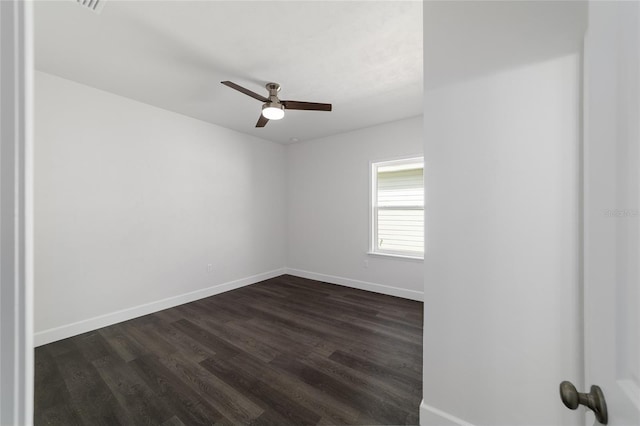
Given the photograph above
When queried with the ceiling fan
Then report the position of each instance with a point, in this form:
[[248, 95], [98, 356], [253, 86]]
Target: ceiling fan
[[273, 108]]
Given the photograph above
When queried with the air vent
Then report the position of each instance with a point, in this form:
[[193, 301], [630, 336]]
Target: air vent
[[95, 5]]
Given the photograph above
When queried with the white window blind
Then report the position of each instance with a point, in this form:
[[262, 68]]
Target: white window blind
[[398, 207]]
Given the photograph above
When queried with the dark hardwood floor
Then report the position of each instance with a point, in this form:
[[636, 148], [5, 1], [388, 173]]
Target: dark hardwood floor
[[284, 351]]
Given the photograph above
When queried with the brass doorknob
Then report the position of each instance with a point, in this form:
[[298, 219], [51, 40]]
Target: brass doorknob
[[594, 400]]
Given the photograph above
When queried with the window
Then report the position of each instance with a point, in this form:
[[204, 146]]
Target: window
[[398, 208]]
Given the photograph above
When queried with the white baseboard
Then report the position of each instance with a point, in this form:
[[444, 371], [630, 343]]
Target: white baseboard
[[69, 330], [362, 285], [73, 329], [431, 416]]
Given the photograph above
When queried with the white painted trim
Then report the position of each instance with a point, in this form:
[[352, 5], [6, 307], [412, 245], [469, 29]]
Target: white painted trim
[[29, 269], [362, 285], [73, 329], [16, 213], [431, 416], [396, 256]]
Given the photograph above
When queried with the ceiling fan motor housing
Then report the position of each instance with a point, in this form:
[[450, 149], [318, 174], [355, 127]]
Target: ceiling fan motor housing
[[273, 88]]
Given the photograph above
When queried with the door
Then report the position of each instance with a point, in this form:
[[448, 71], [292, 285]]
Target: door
[[611, 208]]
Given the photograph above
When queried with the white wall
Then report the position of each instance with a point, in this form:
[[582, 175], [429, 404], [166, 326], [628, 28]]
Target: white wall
[[328, 209], [133, 202], [502, 272], [501, 294]]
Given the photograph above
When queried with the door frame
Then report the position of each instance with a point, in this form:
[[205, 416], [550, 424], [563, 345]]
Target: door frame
[[610, 72], [16, 212]]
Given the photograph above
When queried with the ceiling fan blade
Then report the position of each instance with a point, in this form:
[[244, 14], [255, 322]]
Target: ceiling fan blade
[[262, 121], [311, 106], [245, 91]]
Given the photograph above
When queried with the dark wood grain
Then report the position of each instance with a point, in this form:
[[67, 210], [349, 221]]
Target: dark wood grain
[[89, 396], [175, 394], [286, 351], [271, 399]]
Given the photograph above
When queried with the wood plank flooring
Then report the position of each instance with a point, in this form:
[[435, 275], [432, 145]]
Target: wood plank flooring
[[286, 351]]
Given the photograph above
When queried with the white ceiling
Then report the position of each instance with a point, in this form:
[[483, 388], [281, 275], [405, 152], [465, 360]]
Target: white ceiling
[[364, 57]]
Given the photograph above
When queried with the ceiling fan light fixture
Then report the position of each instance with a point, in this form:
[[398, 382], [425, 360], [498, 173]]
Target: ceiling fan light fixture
[[273, 111]]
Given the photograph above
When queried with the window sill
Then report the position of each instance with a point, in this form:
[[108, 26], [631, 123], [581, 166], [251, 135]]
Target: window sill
[[396, 256]]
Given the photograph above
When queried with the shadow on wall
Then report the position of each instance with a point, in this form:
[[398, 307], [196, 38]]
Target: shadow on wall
[[468, 39]]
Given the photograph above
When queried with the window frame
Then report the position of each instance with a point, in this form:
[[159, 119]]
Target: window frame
[[373, 208]]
